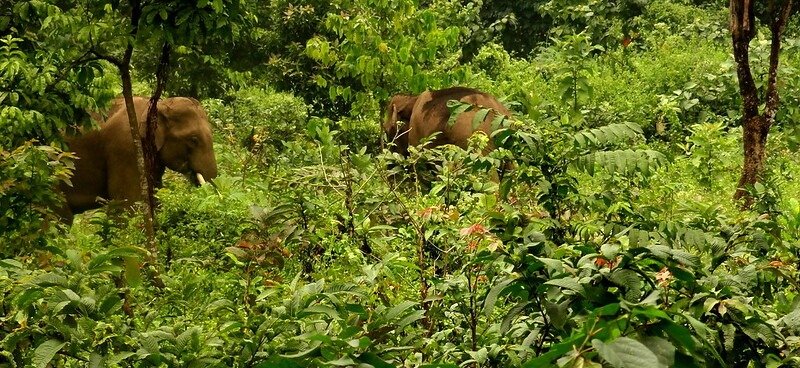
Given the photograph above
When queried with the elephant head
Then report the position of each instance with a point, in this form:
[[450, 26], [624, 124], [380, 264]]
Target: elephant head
[[183, 139], [398, 118]]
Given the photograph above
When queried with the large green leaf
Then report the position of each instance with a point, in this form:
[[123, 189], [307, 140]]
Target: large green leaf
[[662, 348], [491, 297], [45, 352], [625, 352], [456, 108], [567, 283]]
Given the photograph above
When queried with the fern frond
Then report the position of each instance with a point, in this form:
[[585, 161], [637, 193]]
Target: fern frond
[[607, 135], [621, 161]]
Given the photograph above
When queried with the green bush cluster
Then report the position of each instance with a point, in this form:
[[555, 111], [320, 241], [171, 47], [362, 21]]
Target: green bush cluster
[[29, 177], [260, 120]]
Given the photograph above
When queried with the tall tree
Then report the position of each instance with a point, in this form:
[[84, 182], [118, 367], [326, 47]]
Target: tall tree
[[756, 122]]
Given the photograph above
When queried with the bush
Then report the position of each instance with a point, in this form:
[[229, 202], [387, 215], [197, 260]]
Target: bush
[[202, 221], [29, 178], [259, 119], [357, 133]]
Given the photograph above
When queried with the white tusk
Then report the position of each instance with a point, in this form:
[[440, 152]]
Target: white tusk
[[201, 179]]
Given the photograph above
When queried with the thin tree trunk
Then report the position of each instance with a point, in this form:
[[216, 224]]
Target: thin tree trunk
[[149, 144], [755, 125], [127, 93], [124, 66]]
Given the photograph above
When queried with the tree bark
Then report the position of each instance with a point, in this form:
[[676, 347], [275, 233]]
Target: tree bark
[[754, 143], [755, 127], [124, 66], [150, 151]]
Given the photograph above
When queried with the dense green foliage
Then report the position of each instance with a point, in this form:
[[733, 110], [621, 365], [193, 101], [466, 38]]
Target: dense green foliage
[[611, 242]]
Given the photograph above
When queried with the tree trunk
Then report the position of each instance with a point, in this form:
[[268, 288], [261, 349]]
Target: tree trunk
[[755, 127], [124, 67], [754, 143], [127, 94], [149, 144]]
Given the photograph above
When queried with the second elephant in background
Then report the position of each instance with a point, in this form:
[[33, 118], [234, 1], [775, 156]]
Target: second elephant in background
[[427, 113]]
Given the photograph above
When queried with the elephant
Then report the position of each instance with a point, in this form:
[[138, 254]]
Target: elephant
[[106, 169], [427, 113]]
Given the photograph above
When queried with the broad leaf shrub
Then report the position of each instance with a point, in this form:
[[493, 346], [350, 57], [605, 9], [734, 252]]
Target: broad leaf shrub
[[29, 176], [259, 119], [451, 274], [403, 50]]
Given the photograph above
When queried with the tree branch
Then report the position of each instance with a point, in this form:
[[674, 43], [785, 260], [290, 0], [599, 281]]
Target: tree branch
[[776, 27], [742, 31]]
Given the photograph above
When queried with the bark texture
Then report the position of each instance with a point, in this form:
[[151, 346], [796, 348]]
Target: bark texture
[[755, 124], [150, 151]]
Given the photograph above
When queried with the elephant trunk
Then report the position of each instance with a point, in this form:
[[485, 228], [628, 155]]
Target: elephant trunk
[[204, 169]]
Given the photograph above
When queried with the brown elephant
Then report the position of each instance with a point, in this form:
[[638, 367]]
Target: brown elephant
[[425, 114], [106, 166]]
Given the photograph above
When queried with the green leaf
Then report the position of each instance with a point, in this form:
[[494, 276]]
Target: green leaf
[[395, 311], [479, 117], [625, 352], [630, 280], [321, 309], [45, 352], [792, 320], [96, 360], [374, 360], [567, 283], [50, 279], [342, 362], [491, 297], [11, 263], [411, 317], [118, 357], [662, 348], [555, 351], [305, 353], [190, 336], [557, 312], [27, 297], [456, 108], [276, 361], [681, 335]]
